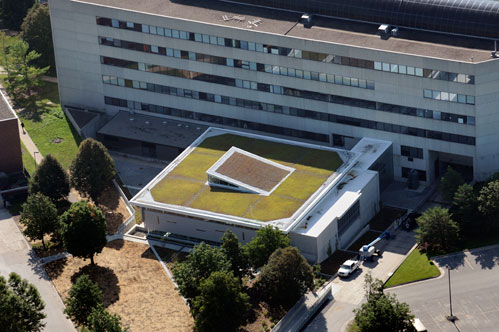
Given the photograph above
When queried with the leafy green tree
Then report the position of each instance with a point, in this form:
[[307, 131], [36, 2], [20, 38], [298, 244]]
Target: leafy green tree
[[222, 305], [50, 179], [92, 169], [449, 184], [465, 208], [489, 200], [39, 215], [235, 253], [14, 11], [437, 231], [36, 31], [84, 296], [199, 264], [100, 320], [266, 241], [382, 312], [21, 306], [286, 277], [83, 230], [23, 76]]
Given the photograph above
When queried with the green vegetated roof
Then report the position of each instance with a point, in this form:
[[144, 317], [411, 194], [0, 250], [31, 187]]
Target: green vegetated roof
[[186, 184]]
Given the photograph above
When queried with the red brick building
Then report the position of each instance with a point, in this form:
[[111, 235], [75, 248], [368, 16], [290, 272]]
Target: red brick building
[[10, 145]]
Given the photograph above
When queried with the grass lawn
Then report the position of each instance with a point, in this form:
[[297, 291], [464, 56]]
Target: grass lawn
[[28, 161], [133, 284], [48, 126], [416, 266], [185, 184]]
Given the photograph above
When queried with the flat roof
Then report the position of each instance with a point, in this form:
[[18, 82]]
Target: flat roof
[[332, 30], [6, 112], [370, 149], [152, 129], [182, 185]]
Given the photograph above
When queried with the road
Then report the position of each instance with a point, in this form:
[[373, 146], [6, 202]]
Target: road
[[16, 256], [348, 293], [475, 293]]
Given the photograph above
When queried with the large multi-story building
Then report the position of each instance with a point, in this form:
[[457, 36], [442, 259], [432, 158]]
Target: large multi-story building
[[429, 83]]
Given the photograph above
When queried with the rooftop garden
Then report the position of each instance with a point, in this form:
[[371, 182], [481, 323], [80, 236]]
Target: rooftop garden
[[186, 184]]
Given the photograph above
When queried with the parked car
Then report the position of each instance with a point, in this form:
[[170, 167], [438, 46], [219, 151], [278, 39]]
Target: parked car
[[348, 268]]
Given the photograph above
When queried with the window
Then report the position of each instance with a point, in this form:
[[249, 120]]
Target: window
[[412, 152]]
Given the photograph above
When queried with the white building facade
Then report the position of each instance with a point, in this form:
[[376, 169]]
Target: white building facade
[[256, 69]]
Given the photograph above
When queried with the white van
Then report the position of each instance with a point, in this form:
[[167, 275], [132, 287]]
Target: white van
[[418, 325]]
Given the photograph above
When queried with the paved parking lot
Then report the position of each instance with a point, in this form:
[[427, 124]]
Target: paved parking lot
[[475, 293]]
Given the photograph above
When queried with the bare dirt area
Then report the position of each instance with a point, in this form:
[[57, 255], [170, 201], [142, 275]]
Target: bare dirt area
[[114, 208], [134, 286]]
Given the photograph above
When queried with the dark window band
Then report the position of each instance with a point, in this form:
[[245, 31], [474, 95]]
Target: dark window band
[[277, 89], [350, 121]]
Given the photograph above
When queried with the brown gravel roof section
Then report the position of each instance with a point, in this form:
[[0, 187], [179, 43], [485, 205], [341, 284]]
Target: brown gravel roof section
[[252, 171]]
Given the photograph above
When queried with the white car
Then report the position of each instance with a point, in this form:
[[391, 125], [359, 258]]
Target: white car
[[348, 268]]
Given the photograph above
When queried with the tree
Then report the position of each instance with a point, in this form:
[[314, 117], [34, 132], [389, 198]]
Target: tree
[[199, 264], [449, 184], [437, 231], [235, 253], [14, 11], [37, 32], [382, 312], [222, 305], [465, 208], [50, 179], [21, 305], [84, 296], [489, 200], [100, 320], [286, 277], [22, 76], [83, 230], [266, 241], [92, 169], [39, 215]]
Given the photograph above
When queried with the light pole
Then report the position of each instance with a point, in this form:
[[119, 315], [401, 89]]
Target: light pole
[[451, 318], [34, 156]]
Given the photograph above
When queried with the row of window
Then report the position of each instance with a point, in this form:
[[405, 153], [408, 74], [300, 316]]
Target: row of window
[[285, 51], [423, 72], [249, 65], [220, 120], [350, 121], [411, 152], [348, 218], [448, 96], [354, 102]]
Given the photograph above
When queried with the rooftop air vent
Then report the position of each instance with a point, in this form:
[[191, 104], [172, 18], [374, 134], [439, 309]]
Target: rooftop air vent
[[306, 19]]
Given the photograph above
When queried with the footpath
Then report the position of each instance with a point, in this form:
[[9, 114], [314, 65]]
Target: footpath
[[17, 256]]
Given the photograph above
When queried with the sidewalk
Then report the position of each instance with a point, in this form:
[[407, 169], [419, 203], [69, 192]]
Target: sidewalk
[[17, 256]]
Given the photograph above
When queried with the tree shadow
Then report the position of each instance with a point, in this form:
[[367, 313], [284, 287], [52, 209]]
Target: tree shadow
[[36, 265], [105, 278], [487, 259], [454, 261], [116, 244], [109, 199], [55, 268]]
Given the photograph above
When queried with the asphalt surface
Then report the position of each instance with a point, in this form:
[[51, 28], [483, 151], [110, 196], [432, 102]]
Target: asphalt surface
[[475, 293], [17, 256], [136, 173], [349, 292]]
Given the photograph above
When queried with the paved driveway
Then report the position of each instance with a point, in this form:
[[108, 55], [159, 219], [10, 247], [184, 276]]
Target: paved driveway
[[17, 256], [475, 293], [349, 293]]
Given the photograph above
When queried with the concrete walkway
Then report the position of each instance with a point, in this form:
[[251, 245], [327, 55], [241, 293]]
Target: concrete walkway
[[17, 256], [349, 293]]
